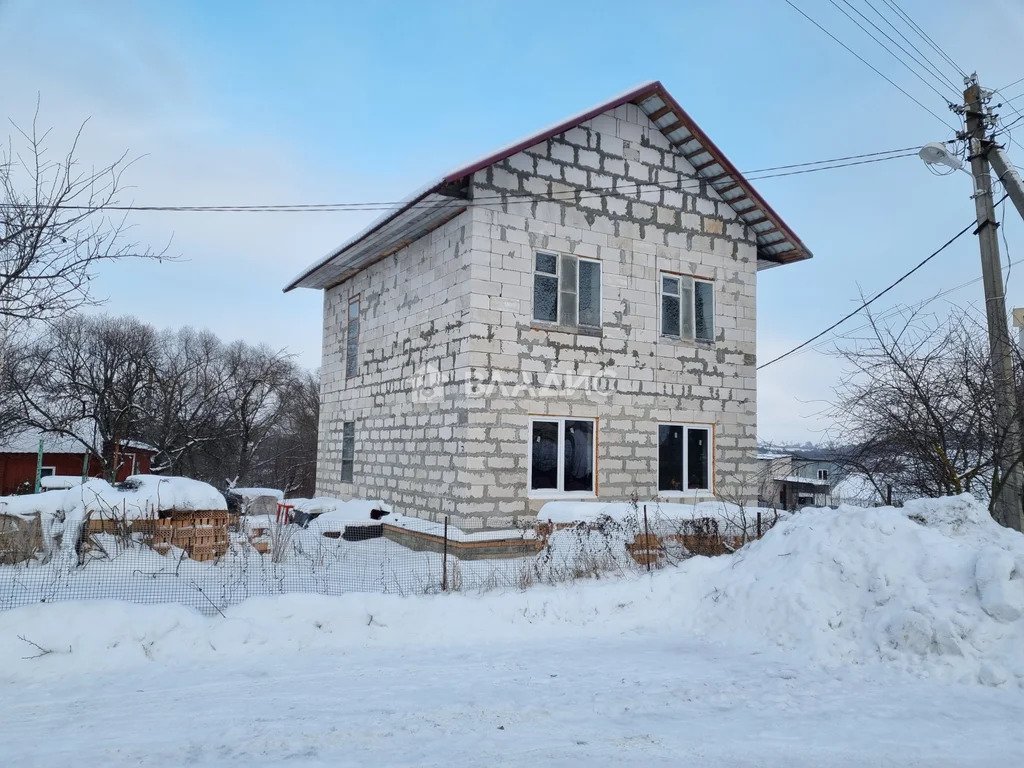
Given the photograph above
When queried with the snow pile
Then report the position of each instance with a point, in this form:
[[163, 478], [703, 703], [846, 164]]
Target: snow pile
[[936, 587]]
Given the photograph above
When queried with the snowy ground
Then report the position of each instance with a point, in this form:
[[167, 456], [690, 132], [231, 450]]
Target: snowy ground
[[556, 695], [857, 637]]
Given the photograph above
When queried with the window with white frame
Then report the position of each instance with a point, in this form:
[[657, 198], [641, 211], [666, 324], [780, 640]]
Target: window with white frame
[[348, 450], [684, 458], [823, 474], [47, 471], [562, 455], [567, 290], [687, 307]]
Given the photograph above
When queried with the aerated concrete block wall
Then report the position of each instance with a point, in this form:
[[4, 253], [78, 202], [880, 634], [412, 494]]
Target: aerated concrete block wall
[[678, 226], [406, 407], [458, 304]]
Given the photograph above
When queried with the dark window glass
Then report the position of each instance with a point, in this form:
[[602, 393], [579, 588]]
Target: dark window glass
[[703, 310], [670, 458], [46, 472], [544, 455], [670, 315], [352, 345], [348, 450], [697, 449], [590, 293], [578, 466], [545, 298], [547, 263]]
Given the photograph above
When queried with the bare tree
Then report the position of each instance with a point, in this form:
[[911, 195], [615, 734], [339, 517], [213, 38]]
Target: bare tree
[[55, 227], [88, 378], [916, 409]]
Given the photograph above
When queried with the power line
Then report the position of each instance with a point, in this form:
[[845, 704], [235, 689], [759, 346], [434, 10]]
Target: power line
[[601, 191], [924, 35], [897, 309], [869, 64], [877, 296], [836, 160], [907, 40], [888, 49], [1010, 85]]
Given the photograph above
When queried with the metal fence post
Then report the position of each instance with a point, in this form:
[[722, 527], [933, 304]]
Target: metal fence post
[[759, 523], [647, 540], [444, 561]]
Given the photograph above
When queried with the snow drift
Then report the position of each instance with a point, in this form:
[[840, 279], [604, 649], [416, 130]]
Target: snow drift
[[935, 589]]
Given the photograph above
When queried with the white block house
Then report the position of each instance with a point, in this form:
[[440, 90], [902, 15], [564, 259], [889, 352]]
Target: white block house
[[572, 316]]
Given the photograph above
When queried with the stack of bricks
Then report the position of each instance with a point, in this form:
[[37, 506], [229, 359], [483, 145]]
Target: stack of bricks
[[203, 534]]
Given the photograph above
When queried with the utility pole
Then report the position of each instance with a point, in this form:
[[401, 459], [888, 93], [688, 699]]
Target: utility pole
[[1007, 506]]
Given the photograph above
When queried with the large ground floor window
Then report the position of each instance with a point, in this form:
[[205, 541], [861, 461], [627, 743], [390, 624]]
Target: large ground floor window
[[684, 458], [562, 455]]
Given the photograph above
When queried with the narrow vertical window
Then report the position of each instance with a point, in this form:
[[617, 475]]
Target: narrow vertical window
[[352, 339], [348, 450], [686, 307], [590, 293], [545, 288], [704, 310], [670, 309], [567, 288]]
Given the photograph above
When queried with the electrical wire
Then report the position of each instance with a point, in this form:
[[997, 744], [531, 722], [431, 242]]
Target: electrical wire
[[1010, 85], [864, 305], [888, 50], [907, 40], [600, 191], [924, 35], [869, 64]]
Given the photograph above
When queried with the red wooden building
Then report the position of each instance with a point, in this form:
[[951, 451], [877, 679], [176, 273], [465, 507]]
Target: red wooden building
[[62, 456]]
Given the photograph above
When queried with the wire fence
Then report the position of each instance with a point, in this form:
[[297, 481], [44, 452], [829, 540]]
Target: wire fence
[[212, 560]]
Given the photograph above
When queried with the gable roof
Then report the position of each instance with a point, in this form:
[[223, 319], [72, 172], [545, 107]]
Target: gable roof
[[445, 198]]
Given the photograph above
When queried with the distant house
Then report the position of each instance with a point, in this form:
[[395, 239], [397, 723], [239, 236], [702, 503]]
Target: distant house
[[63, 457], [791, 480], [570, 317]]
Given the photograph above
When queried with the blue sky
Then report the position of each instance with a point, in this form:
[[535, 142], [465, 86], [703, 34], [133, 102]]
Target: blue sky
[[253, 103]]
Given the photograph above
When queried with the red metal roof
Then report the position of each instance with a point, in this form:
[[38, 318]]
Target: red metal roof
[[427, 208]]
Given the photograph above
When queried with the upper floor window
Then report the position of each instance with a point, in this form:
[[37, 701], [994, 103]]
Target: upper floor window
[[352, 339], [567, 290], [823, 474], [687, 307]]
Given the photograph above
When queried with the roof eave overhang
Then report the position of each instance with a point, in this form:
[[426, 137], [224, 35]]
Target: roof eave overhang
[[446, 198]]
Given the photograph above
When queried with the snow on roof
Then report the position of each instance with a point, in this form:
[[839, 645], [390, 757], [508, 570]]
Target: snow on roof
[[776, 242], [27, 441], [53, 482], [255, 493], [802, 480]]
